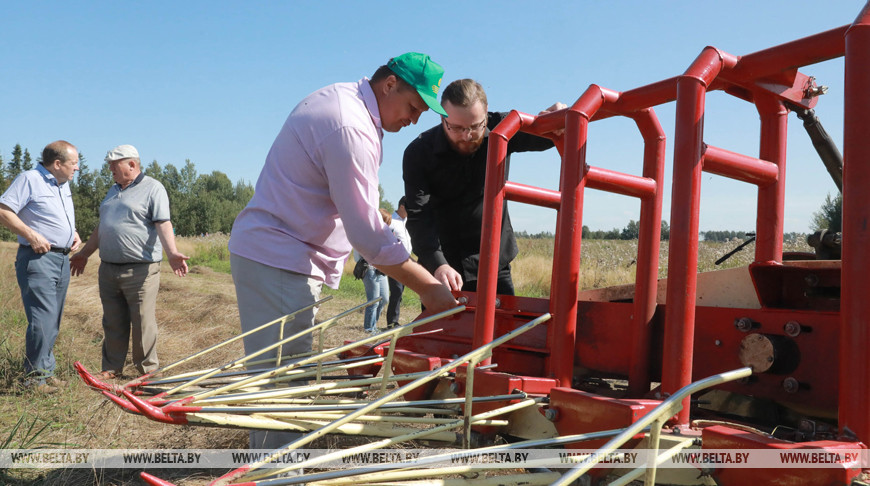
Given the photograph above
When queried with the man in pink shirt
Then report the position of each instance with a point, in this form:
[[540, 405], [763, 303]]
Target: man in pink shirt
[[317, 197]]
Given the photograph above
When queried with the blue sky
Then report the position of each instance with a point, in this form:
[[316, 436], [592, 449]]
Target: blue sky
[[213, 81]]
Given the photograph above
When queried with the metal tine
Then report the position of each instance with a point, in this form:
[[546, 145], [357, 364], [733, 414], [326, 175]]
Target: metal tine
[[473, 478], [281, 320], [251, 395], [323, 325], [376, 472], [482, 418], [351, 476], [403, 330], [168, 381], [443, 370], [293, 375], [436, 373], [330, 387], [429, 406]]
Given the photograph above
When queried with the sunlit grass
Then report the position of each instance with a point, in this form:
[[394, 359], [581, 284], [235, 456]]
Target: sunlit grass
[[603, 263]]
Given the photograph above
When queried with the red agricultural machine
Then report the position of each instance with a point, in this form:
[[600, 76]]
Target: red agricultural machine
[[769, 358]]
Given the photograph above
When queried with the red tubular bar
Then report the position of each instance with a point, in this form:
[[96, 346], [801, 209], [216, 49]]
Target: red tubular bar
[[649, 239], [801, 52], [771, 197], [490, 237], [679, 330], [619, 183], [854, 376], [739, 167], [532, 195], [565, 281]]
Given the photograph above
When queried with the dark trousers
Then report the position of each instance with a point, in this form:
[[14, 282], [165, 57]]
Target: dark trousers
[[505, 285], [395, 305]]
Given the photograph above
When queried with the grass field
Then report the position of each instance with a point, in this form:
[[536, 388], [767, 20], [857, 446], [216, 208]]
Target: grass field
[[195, 312]]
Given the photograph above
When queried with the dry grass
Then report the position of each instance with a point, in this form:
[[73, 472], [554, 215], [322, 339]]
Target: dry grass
[[606, 263]]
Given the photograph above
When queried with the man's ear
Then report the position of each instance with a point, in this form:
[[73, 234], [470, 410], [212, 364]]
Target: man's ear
[[391, 82]]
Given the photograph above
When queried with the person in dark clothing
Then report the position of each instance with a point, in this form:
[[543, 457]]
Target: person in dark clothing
[[444, 171]]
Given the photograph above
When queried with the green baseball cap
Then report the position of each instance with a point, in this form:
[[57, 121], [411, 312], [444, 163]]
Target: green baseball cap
[[423, 74]]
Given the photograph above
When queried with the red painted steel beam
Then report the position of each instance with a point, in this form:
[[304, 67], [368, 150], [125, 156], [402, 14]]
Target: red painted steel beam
[[791, 55], [565, 280], [619, 183], [739, 167], [685, 208], [649, 240], [854, 420], [490, 238], [536, 196], [769, 222]]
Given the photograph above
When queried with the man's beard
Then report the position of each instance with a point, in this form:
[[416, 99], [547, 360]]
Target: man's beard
[[467, 147]]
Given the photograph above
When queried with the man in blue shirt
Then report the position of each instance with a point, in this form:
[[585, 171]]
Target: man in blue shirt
[[38, 207]]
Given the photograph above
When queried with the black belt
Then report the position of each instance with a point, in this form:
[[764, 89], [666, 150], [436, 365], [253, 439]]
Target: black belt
[[53, 249]]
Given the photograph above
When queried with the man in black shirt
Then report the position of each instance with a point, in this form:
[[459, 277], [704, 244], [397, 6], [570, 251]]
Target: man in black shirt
[[444, 171]]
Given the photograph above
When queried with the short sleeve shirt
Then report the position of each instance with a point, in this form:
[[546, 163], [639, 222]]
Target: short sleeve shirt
[[43, 205], [127, 216]]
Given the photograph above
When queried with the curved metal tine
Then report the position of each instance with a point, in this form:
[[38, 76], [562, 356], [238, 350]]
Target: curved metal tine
[[436, 373], [283, 369], [323, 388], [302, 373], [92, 382], [423, 406], [639, 471], [374, 470], [323, 325], [281, 320], [435, 459], [417, 434], [241, 372], [329, 366], [667, 408], [253, 395]]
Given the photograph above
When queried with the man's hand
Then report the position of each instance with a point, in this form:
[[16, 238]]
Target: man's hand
[[178, 262], [437, 298], [556, 107], [38, 242], [449, 277], [77, 240], [77, 264]]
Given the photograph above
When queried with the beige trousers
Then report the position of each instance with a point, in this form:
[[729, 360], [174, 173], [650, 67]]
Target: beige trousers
[[129, 296]]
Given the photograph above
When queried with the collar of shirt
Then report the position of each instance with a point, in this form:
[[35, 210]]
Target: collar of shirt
[[371, 101], [137, 180], [48, 176]]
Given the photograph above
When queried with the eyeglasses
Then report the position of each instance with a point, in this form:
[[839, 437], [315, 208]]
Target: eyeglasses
[[465, 130]]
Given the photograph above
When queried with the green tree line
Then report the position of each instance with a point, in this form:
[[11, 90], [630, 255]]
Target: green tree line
[[199, 203], [209, 203]]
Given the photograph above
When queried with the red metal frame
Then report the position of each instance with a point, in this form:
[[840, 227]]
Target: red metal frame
[[768, 79]]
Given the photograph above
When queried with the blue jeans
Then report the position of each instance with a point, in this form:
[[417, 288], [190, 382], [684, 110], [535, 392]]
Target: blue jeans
[[376, 286], [43, 280]]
